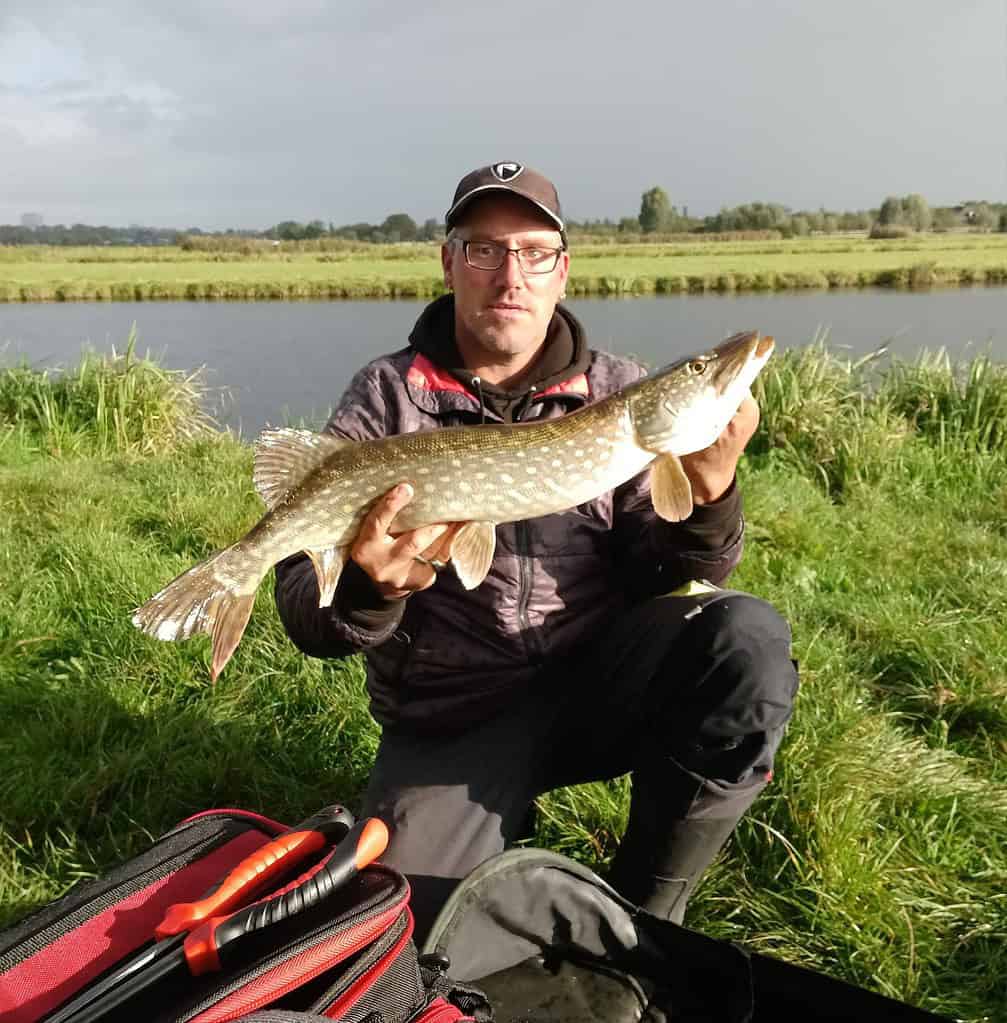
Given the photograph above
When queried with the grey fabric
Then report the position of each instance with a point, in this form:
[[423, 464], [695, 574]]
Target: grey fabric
[[535, 929]]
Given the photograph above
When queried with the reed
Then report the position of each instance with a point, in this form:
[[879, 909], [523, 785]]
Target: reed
[[107, 403]]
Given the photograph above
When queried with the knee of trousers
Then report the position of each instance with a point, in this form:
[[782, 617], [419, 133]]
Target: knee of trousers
[[741, 679]]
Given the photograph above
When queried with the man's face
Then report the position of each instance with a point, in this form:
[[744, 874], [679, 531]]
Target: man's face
[[504, 312]]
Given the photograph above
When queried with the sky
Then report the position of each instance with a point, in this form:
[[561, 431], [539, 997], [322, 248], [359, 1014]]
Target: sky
[[201, 113]]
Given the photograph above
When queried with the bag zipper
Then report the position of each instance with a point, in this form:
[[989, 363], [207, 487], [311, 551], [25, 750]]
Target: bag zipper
[[82, 913], [359, 986]]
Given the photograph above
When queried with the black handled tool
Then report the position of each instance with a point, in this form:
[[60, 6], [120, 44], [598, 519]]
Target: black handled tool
[[202, 935]]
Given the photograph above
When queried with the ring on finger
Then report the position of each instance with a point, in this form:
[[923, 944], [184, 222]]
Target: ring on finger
[[435, 563]]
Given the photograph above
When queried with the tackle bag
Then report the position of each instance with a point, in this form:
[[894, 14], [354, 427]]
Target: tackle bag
[[546, 939], [229, 913]]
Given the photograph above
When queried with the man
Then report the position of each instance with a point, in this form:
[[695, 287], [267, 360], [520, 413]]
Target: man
[[571, 662]]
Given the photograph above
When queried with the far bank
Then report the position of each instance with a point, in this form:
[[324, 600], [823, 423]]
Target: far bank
[[134, 274]]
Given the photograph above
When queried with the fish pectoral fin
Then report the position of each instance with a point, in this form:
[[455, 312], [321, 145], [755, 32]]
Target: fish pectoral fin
[[472, 552], [328, 562], [285, 457], [670, 489]]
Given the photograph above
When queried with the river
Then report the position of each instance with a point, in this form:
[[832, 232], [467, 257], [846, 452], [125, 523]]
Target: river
[[287, 362]]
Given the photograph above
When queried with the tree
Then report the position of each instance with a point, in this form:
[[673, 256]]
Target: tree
[[917, 212], [912, 211], [655, 210], [982, 216], [945, 219], [430, 231], [399, 227], [289, 230], [1003, 222], [891, 211]]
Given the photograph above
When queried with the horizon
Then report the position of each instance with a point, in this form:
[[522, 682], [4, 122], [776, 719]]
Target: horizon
[[242, 230]]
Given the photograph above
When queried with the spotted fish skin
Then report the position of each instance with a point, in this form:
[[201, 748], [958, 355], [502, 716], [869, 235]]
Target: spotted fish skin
[[318, 488]]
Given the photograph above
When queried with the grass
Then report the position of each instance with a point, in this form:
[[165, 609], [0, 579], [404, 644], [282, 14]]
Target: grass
[[292, 271], [875, 495]]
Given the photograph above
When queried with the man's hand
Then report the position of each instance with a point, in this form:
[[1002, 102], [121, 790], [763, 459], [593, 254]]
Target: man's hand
[[711, 470], [390, 561]]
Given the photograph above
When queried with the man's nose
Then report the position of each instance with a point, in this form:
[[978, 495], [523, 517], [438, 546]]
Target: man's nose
[[511, 271]]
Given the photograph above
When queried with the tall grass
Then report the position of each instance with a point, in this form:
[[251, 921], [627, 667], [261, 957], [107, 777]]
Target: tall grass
[[844, 421], [875, 493], [107, 403]]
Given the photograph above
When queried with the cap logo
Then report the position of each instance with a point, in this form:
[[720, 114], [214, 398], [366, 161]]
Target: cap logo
[[506, 171]]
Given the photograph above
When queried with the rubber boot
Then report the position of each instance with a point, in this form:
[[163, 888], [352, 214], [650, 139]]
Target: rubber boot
[[678, 823], [663, 887]]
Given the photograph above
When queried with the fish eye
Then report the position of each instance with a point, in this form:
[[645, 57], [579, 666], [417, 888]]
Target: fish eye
[[697, 366]]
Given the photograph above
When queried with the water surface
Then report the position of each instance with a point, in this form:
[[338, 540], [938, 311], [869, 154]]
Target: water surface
[[284, 362]]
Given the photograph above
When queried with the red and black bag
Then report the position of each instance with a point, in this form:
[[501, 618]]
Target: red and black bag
[[228, 913]]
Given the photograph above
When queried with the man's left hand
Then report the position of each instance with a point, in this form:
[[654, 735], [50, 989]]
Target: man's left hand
[[711, 470]]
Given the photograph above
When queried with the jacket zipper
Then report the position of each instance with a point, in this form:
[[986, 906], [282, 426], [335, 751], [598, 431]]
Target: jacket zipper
[[523, 535], [532, 643]]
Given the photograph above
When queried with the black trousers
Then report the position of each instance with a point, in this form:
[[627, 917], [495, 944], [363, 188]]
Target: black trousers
[[699, 687]]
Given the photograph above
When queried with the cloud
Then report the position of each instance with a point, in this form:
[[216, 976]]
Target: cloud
[[244, 113]]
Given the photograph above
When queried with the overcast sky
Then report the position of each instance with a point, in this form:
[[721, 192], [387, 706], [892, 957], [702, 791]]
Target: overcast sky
[[244, 113]]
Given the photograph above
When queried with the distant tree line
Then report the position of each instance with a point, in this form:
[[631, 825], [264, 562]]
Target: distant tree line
[[397, 227], [895, 217], [87, 234]]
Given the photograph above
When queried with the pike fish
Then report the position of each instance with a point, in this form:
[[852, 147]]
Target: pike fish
[[318, 488]]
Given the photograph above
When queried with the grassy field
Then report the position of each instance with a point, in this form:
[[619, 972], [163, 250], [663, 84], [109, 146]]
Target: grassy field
[[294, 271], [875, 501]]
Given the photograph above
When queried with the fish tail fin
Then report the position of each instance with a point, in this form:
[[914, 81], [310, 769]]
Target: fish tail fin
[[214, 597]]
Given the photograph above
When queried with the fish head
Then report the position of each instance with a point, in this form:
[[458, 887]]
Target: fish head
[[686, 406]]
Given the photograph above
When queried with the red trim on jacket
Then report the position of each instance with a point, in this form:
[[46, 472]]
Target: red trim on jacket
[[428, 376], [575, 385]]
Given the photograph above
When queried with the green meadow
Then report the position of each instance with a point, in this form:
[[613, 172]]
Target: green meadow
[[876, 503], [256, 270]]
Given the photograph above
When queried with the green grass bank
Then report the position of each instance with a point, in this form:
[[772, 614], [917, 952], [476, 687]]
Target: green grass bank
[[352, 270], [875, 500]]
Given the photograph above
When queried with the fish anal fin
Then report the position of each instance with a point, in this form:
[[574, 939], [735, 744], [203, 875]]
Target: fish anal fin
[[472, 551], [328, 562], [285, 457], [232, 616], [670, 489]]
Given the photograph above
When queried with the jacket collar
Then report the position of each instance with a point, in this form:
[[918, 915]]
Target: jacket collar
[[438, 381]]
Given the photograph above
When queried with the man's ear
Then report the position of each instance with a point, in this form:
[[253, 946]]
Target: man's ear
[[446, 265]]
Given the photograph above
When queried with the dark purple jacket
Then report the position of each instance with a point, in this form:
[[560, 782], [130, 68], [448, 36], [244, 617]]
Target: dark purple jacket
[[447, 657]]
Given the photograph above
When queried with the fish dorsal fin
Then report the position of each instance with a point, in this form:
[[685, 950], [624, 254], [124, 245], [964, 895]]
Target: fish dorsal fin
[[670, 489], [285, 457], [472, 552], [328, 562]]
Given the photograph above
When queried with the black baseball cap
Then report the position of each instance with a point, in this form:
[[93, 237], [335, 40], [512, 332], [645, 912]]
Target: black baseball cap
[[511, 177]]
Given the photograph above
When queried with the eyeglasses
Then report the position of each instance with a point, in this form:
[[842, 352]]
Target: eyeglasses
[[533, 259]]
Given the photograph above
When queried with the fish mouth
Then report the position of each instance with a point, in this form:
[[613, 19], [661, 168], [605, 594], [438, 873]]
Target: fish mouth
[[734, 354]]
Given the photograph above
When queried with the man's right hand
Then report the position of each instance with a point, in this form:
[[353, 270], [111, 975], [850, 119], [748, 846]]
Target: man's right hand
[[389, 560]]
